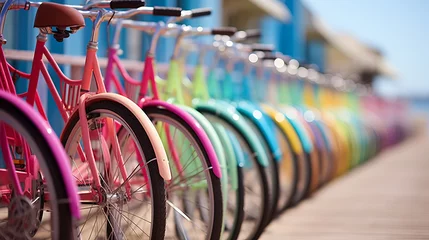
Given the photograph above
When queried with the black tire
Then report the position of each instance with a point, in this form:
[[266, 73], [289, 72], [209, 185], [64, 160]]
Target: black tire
[[239, 213], [49, 167], [282, 206], [272, 172], [304, 173], [156, 181], [260, 169], [217, 226], [236, 206]]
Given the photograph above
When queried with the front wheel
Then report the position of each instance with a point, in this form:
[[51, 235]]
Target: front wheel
[[21, 214], [133, 204], [195, 208]]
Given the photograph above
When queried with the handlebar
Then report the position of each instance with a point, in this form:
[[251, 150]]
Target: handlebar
[[173, 29], [248, 34], [97, 16], [200, 12], [84, 10], [187, 14], [116, 4]]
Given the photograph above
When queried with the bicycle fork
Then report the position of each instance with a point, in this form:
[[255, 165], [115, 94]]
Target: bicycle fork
[[86, 138]]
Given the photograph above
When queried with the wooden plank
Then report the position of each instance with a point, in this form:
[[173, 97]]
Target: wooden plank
[[386, 198]]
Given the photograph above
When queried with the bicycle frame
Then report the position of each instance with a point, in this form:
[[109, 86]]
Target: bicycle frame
[[143, 100], [10, 171]]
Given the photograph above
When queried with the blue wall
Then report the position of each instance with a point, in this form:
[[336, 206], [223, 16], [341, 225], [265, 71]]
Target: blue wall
[[316, 53], [288, 38]]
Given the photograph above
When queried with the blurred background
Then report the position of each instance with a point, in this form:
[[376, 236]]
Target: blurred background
[[381, 43]]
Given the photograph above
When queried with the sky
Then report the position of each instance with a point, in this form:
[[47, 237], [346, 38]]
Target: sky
[[399, 28]]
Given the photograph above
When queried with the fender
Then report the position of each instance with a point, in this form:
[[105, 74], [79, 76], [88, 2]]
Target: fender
[[280, 119], [217, 145], [214, 139], [229, 114], [291, 115], [325, 135], [263, 123], [232, 162], [161, 155], [194, 125]]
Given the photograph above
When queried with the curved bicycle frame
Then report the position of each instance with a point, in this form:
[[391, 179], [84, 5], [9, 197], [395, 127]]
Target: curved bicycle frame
[[74, 96]]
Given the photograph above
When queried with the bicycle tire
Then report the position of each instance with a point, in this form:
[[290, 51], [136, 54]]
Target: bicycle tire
[[272, 171], [157, 184], [216, 228], [239, 191], [48, 155], [261, 171], [282, 206]]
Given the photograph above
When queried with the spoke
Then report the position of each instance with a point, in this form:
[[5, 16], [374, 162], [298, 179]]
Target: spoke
[[182, 180], [131, 221], [178, 210]]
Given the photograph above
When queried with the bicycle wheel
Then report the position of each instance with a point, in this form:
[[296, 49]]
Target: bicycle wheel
[[133, 201], [19, 215], [288, 172], [257, 195], [195, 193], [234, 214], [263, 128], [272, 171]]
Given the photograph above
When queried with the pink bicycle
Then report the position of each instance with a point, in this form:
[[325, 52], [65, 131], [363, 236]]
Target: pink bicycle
[[120, 177], [26, 141]]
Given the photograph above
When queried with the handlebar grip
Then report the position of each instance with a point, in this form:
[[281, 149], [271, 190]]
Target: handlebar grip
[[200, 12], [262, 47], [228, 31], [167, 11], [115, 4], [270, 56], [253, 33]]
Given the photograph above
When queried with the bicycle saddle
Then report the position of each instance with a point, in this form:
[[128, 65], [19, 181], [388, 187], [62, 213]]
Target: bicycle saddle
[[51, 15]]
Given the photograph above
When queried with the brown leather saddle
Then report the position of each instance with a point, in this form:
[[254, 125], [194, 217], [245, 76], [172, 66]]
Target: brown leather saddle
[[53, 15]]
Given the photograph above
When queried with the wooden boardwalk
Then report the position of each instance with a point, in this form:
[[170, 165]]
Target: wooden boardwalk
[[387, 198]]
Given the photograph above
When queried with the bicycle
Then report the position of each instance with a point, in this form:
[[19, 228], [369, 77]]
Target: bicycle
[[30, 150]]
